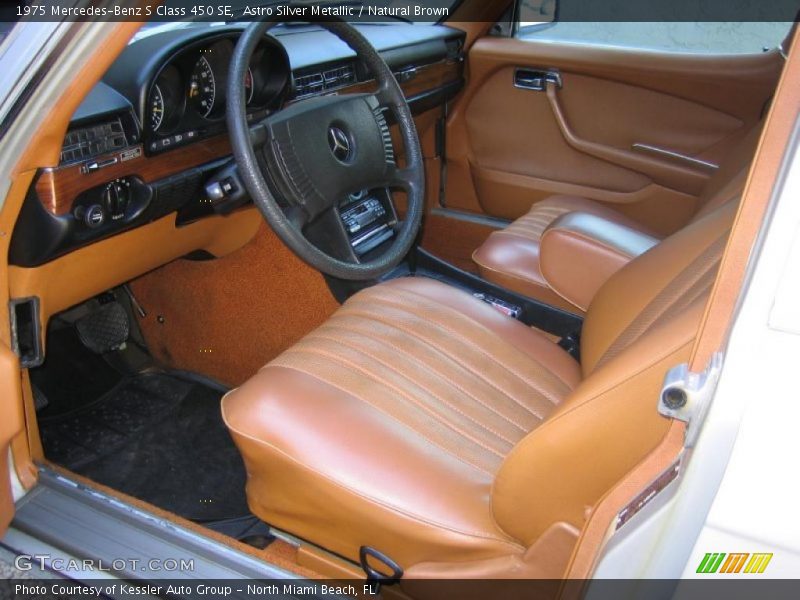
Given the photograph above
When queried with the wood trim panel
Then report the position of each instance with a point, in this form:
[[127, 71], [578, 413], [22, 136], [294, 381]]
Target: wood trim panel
[[58, 187], [428, 77]]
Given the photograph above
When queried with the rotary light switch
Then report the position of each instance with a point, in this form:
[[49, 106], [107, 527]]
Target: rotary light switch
[[116, 197]]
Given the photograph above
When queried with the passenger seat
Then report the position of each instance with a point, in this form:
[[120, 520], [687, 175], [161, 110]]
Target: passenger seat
[[510, 257]]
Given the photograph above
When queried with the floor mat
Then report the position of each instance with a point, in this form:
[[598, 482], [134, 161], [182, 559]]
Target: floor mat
[[71, 376], [159, 438]]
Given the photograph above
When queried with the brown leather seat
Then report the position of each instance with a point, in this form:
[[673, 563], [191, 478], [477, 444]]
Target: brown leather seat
[[510, 256], [459, 442]]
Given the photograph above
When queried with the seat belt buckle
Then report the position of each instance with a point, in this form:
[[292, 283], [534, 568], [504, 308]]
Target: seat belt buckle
[[506, 308], [375, 578]]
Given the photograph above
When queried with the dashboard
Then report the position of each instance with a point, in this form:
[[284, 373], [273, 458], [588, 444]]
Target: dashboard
[[143, 144], [186, 101], [180, 88]]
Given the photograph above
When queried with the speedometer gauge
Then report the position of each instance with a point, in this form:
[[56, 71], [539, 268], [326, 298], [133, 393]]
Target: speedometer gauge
[[202, 87], [156, 108]]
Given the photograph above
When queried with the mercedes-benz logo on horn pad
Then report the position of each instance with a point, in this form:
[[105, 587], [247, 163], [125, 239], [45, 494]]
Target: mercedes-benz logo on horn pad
[[339, 144]]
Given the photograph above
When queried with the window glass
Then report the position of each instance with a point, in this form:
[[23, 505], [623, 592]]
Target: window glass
[[705, 38], [537, 20]]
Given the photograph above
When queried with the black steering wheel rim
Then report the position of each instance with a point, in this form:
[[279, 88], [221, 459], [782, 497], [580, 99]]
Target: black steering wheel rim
[[390, 95]]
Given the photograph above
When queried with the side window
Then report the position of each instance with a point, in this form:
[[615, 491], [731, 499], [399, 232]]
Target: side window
[[535, 15], [539, 20]]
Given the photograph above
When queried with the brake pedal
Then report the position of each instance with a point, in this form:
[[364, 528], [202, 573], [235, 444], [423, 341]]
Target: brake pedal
[[104, 329]]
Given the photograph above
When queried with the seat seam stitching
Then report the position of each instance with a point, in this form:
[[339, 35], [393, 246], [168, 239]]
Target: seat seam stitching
[[417, 383], [384, 412], [367, 315], [549, 395], [449, 379], [453, 427]]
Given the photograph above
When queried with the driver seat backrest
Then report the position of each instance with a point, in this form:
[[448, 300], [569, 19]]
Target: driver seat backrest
[[642, 322]]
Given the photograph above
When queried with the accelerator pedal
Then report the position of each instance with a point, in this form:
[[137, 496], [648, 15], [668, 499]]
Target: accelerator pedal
[[104, 329]]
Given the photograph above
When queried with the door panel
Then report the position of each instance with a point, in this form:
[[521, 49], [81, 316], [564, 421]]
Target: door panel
[[610, 132]]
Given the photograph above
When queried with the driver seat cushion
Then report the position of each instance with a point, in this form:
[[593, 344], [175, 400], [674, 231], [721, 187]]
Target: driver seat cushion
[[392, 420]]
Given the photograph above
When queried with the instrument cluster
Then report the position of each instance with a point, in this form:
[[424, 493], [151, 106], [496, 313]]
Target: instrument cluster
[[187, 99]]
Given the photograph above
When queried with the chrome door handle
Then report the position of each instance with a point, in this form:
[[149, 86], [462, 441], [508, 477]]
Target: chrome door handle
[[536, 80]]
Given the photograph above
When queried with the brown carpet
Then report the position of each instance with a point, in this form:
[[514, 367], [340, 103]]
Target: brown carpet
[[454, 240], [227, 318]]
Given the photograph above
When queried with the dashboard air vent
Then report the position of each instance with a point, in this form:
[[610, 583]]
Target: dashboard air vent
[[89, 141], [309, 83]]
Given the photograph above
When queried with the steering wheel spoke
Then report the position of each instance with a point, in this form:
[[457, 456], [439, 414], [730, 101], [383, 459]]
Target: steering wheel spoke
[[258, 135], [400, 177], [384, 97], [296, 216]]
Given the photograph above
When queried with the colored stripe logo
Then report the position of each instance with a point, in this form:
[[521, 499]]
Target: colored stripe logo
[[735, 562]]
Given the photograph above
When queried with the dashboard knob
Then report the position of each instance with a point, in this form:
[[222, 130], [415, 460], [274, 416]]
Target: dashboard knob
[[109, 198], [122, 197], [115, 199], [94, 216]]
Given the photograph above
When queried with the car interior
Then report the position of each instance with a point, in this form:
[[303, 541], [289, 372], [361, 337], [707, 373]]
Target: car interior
[[482, 253]]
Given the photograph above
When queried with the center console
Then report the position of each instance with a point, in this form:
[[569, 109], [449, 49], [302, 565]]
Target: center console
[[368, 217]]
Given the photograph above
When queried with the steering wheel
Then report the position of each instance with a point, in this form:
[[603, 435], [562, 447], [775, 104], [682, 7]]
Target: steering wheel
[[315, 152]]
